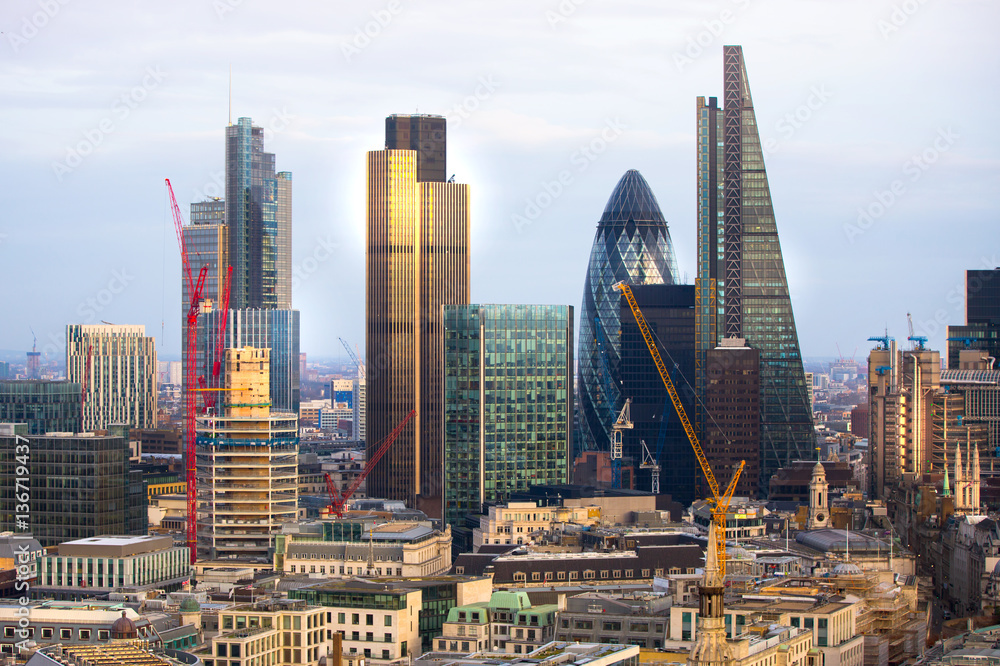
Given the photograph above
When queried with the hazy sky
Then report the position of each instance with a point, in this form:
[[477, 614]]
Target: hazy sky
[[877, 105]]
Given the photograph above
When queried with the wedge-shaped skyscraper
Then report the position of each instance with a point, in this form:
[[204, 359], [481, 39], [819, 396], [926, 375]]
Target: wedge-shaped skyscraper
[[741, 289], [632, 244]]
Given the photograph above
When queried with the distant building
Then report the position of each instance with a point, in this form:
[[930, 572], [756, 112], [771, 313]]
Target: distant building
[[639, 618], [508, 623], [280, 632], [508, 372], [45, 406], [84, 488], [982, 317], [117, 365], [77, 625], [592, 654]]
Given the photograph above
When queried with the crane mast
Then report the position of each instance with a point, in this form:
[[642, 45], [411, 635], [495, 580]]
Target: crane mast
[[719, 499]]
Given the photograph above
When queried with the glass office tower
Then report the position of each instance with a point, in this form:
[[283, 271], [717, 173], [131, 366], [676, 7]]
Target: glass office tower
[[259, 216], [508, 402], [632, 244], [741, 289]]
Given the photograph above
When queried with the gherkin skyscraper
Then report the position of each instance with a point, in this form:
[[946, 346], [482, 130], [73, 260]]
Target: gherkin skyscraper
[[741, 288], [632, 244]]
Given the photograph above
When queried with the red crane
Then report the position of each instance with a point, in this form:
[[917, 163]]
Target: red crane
[[195, 290], [338, 500], [221, 340]]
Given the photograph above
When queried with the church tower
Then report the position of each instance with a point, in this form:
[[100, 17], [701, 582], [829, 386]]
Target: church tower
[[819, 513], [711, 647]]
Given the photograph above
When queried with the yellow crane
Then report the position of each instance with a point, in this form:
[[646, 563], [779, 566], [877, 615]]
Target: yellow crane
[[720, 500]]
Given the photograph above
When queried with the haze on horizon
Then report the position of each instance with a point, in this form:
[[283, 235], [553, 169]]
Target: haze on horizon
[[863, 106]]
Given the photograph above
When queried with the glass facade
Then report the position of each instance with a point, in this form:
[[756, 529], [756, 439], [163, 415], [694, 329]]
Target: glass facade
[[508, 391], [259, 216], [43, 405], [740, 260], [207, 242], [669, 312], [80, 487], [632, 244], [982, 317], [277, 330]]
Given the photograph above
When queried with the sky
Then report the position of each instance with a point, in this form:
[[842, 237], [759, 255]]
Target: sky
[[882, 156]]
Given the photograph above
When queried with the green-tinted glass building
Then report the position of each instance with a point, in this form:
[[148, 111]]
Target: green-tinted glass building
[[741, 289], [508, 401], [79, 486], [45, 406]]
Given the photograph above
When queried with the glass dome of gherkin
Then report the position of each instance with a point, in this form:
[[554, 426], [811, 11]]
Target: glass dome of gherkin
[[632, 243]]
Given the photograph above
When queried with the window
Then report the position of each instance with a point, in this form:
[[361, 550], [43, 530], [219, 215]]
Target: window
[[66, 634], [573, 575], [560, 575], [388, 620], [385, 654], [589, 574], [519, 576], [611, 626], [604, 573], [460, 570], [535, 575], [369, 636], [85, 634], [645, 573], [465, 646], [47, 632], [355, 618], [617, 573], [341, 617], [583, 624], [8, 632], [369, 620], [388, 638]]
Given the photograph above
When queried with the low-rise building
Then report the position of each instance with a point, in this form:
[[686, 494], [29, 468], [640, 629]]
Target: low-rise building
[[639, 618], [103, 564], [385, 620], [70, 623], [522, 522], [345, 548], [280, 632], [550, 654], [508, 623]]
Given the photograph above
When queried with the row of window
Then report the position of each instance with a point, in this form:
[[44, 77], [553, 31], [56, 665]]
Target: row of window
[[590, 574]]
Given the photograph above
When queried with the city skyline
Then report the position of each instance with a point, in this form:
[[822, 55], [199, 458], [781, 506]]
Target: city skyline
[[826, 160]]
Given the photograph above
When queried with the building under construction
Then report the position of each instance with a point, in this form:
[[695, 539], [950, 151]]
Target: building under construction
[[247, 459]]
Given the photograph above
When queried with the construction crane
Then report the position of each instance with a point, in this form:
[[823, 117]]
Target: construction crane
[[882, 340], [221, 338], [651, 463], [195, 290], [720, 499], [919, 339], [338, 499], [623, 423], [354, 357]]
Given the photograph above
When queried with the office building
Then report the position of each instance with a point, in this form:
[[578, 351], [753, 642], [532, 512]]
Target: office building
[[271, 329], [669, 312], [632, 243], [508, 376], [417, 260], [426, 134], [247, 458], [45, 406], [89, 567], [277, 632], [207, 241], [259, 219], [741, 288], [117, 365], [982, 317], [731, 429], [81, 486]]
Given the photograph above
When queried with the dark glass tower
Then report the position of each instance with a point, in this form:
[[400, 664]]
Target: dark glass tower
[[741, 287], [426, 134], [632, 244], [669, 312], [982, 317]]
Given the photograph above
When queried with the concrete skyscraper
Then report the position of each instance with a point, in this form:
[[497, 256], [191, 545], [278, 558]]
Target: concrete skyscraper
[[741, 289], [417, 261]]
